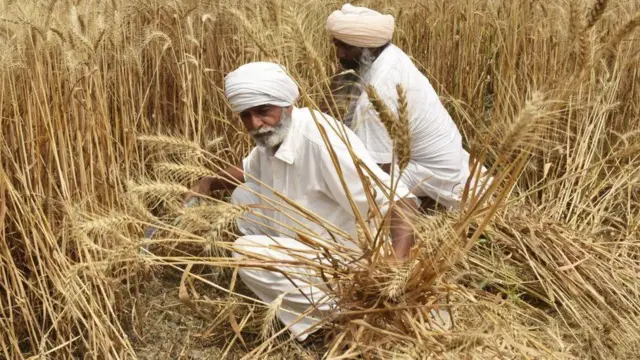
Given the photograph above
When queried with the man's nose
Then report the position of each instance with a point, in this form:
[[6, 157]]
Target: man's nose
[[341, 52], [256, 122]]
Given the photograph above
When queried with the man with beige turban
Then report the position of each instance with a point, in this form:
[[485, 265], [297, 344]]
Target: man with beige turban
[[439, 166], [292, 161]]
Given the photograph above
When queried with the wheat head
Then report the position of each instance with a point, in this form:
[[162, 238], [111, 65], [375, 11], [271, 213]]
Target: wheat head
[[402, 134]]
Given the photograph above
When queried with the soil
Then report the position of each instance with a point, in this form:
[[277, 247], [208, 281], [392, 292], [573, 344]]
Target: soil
[[170, 329]]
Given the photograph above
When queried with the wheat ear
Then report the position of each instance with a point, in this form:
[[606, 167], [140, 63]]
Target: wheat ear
[[270, 318], [107, 223], [228, 215], [401, 133], [595, 13], [397, 128], [399, 277], [167, 143], [624, 31], [182, 173], [386, 116], [578, 33], [521, 130]]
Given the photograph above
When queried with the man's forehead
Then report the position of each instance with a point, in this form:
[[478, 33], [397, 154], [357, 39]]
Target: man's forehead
[[258, 108], [341, 43], [262, 106]]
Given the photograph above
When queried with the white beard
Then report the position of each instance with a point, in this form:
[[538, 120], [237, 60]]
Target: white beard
[[269, 137], [366, 62], [355, 87]]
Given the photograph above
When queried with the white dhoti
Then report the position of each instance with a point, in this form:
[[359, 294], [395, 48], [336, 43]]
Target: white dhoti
[[302, 291], [299, 288]]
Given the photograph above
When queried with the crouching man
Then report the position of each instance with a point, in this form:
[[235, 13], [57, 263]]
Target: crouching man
[[292, 159]]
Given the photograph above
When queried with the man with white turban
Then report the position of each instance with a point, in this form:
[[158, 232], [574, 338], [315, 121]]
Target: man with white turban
[[291, 159], [439, 166]]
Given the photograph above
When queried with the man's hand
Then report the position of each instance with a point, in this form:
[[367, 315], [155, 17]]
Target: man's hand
[[402, 235], [227, 180], [201, 188]]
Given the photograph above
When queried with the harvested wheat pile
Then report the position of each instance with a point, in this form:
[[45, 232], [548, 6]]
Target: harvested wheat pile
[[110, 110]]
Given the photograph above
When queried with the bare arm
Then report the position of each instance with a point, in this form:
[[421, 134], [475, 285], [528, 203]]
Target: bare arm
[[227, 180], [402, 235]]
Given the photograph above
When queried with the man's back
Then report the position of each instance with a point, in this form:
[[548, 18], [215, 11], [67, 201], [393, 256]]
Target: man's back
[[436, 142]]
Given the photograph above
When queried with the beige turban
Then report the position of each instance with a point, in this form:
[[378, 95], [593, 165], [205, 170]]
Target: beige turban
[[360, 26]]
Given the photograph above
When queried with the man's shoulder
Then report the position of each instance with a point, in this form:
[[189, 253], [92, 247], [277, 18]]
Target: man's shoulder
[[255, 153], [398, 56], [396, 67], [310, 134]]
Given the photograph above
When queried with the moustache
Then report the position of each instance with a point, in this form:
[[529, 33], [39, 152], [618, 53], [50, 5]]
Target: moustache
[[262, 131], [349, 64]]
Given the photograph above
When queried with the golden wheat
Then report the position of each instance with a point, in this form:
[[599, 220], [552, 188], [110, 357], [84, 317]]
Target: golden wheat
[[402, 132], [270, 317], [624, 31], [385, 114], [397, 126], [595, 13], [525, 128], [170, 144], [547, 268], [184, 174], [578, 36]]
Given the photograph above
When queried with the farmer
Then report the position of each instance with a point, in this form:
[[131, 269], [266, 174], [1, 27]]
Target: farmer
[[439, 166], [292, 159]]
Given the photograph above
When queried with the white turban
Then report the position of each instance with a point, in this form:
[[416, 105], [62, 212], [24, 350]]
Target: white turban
[[360, 26], [259, 83]]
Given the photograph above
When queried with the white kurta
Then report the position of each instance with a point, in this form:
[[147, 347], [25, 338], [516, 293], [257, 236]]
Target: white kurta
[[303, 171], [439, 165]]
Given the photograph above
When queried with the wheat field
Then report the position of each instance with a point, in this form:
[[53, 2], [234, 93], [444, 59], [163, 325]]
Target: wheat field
[[111, 109]]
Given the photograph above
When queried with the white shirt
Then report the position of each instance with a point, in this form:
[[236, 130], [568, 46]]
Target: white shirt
[[439, 165], [302, 170]]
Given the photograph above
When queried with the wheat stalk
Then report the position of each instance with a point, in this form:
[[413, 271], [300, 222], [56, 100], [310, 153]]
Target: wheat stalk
[[554, 273], [575, 26], [151, 35], [227, 216], [395, 287], [77, 28]]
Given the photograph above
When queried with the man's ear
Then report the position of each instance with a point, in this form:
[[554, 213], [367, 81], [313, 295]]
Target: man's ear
[[289, 109]]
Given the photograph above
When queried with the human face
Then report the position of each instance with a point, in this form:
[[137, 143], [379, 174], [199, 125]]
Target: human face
[[348, 56], [268, 125]]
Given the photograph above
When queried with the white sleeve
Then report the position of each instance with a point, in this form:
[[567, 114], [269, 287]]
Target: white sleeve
[[251, 166], [370, 129], [352, 180]]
